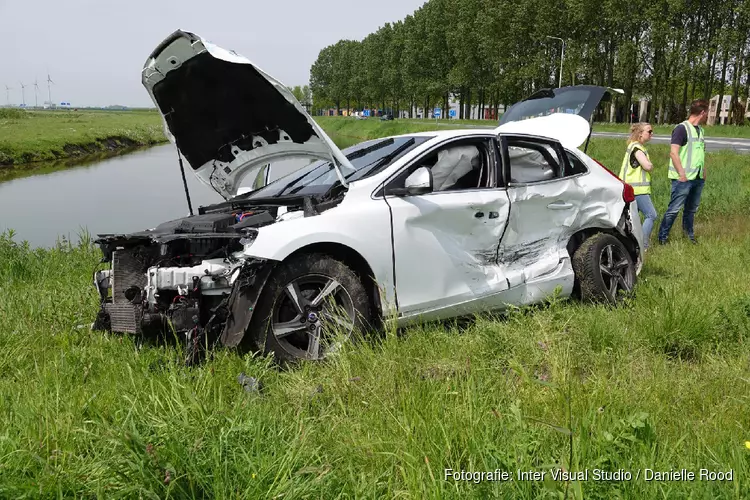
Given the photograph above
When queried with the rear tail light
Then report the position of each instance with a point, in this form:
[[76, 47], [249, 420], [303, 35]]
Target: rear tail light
[[628, 193]]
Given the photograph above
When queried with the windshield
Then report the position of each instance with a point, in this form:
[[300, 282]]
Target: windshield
[[317, 177], [581, 100]]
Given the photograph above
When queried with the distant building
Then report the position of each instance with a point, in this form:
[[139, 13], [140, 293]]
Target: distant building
[[719, 116]]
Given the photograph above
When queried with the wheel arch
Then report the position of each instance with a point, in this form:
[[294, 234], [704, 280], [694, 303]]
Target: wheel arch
[[355, 261], [623, 232], [577, 239]]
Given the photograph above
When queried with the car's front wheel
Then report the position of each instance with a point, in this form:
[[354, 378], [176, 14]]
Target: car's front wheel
[[309, 306], [604, 269]]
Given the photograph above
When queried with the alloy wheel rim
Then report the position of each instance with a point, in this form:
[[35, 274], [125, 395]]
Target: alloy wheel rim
[[614, 267], [310, 314]]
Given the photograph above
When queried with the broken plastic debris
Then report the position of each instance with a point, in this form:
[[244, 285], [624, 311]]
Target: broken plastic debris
[[251, 384]]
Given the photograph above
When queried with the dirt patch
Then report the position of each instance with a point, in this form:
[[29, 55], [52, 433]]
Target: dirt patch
[[106, 144]]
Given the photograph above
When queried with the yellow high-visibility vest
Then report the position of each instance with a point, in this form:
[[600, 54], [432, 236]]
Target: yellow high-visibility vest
[[635, 176]]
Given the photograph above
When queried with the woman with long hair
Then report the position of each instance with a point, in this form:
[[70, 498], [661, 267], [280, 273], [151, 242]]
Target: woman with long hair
[[636, 170]]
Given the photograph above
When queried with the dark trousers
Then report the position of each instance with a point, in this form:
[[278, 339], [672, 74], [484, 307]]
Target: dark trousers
[[685, 195]]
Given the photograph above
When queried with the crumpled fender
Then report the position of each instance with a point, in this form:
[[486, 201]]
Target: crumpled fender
[[245, 293]]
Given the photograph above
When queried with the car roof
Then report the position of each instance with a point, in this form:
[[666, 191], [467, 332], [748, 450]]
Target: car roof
[[448, 133], [438, 135]]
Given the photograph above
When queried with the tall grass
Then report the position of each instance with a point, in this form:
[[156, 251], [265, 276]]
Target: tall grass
[[660, 382], [49, 135]]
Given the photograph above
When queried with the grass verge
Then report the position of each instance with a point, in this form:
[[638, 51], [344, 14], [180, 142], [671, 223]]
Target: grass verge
[[32, 136], [660, 383]]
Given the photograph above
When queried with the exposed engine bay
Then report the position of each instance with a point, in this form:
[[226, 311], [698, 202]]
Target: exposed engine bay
[[187, 277]]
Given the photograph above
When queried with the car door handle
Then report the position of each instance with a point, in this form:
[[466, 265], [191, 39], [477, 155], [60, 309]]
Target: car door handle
[[559, 205]]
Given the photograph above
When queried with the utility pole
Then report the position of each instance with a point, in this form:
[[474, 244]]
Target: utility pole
[[562, 57]]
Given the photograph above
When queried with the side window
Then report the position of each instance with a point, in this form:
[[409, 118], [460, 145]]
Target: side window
[[575, 166], [460, 165], [533, 161]]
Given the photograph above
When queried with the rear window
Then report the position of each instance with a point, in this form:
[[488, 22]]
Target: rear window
[[579, 100]]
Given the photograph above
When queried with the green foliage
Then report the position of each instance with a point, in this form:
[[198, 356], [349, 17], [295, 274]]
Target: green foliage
[[492, 53], [13, 114], [52, 135]]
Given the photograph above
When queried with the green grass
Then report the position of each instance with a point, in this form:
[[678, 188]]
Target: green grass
[[661, 382], [32, 136]]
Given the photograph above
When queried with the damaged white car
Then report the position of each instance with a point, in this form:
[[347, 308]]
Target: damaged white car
[[424, 226]]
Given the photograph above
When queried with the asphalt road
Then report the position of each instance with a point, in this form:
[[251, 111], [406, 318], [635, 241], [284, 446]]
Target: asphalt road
[[712, 144]]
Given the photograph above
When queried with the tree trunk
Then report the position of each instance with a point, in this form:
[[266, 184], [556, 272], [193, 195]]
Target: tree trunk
[[654, 87], [708, 89], [461, 105], [735, 87], [684, 99], [481, 103], [693, 85]]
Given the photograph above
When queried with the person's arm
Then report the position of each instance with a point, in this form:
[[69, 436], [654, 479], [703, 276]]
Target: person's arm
[[645, 164], [679, 139]]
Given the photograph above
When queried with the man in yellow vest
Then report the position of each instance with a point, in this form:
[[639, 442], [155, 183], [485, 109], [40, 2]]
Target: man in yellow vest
[[687, 171]]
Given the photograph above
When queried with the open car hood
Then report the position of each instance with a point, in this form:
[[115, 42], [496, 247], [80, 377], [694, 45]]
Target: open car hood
[[226, 116], [547, 110]]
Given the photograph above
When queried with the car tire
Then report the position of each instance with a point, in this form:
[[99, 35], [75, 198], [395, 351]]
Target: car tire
[[289, 299], [604, 269]]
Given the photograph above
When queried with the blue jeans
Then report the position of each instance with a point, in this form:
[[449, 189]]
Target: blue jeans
[[646, 207], [684, 194]]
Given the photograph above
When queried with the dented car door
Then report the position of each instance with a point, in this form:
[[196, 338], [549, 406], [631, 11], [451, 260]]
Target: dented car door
[[445, 241], [544, 205]]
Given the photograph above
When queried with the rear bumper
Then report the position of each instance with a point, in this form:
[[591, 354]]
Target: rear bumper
[[636, 230]]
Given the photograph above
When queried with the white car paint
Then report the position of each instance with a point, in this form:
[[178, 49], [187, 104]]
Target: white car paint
[[440, 245], [225, 177], [568, 129], [432, 255]]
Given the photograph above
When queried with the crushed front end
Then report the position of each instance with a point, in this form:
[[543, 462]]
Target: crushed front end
[[183, 279]]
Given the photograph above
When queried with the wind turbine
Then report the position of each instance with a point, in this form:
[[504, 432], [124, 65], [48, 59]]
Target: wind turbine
[[7, 94], [23, 95], [36, 91], [49, 91]]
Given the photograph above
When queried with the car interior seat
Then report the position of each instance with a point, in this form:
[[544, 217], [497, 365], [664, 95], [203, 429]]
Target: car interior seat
[[528, 165], [457, 168]]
